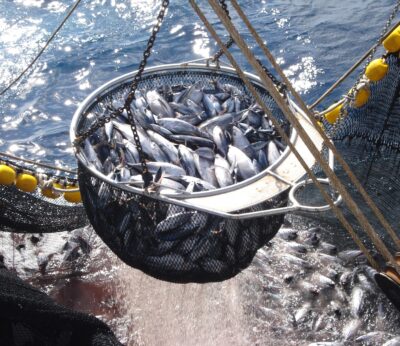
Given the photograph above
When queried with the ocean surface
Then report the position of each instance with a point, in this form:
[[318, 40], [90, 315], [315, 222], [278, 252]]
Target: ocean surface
[[315, 41], [278, 300]]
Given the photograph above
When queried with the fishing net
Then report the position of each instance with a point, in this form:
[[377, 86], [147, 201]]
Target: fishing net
[[29, 317], [33, 213], [168, 241], [368, 138]]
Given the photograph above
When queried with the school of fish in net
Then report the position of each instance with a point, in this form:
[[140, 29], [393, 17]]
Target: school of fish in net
[[193, 139]]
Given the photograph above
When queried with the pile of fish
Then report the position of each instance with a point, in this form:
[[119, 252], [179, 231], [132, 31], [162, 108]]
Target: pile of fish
[[194, 138], [309, 290]]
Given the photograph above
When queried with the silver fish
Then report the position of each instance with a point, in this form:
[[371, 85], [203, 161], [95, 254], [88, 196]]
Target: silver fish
[[173, 221], [350, 330], [373, 338], [91, 155], [273, 152], [180, 127], [193, 141], [167, 168], [220, 140], [244, 164], [357, 301], [393, 342], [158, 105], [187, 159], [206, 169], [166, 146], [302, 313], [222, 172]]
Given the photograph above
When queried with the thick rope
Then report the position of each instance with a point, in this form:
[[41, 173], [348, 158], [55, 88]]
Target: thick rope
[[328, 143], [37, 163], [304, 136], [282, 133], [70, 12]]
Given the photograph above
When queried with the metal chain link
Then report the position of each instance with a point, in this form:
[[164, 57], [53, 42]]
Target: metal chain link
[[147, 176], [351, 93], [230, 41], [280, 86]]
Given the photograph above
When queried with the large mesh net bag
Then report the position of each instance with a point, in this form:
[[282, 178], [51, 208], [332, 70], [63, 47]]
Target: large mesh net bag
[[368, 139], [162, 238]]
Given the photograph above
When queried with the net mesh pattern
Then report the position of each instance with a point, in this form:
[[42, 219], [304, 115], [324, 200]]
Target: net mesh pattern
[[30, 317], [33, 213], [171, 242], [368, 138], [164, 240]]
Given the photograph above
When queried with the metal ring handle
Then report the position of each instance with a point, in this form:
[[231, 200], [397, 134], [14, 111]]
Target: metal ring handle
[[298, 206]]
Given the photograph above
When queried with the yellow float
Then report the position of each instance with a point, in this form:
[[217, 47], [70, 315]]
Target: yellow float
[[48, 191], [73, 196], [333, 115], [392, 42], [362, 96], [376, 70], [7, 175], [26, 182]]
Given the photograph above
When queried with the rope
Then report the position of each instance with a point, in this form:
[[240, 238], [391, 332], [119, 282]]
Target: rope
[[328, 143], [38, 163], [353, 68], [284, 136], [70, 12], [304, 136]]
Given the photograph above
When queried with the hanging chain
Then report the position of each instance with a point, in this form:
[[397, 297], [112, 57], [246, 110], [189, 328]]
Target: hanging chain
[[351, 93], [230, 41], [280, 86], [147, 176]]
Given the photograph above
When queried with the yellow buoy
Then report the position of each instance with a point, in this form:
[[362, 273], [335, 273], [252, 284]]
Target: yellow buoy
[[26, 182], [333, 115], [48, 191], [392, 42], [361, 97], [7, 175], [376, 70], [73, 196]]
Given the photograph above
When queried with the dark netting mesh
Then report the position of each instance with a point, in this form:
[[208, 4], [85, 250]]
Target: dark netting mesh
[[34, 213], [192, 247], [29, 317], [164, 240], [368, 139]]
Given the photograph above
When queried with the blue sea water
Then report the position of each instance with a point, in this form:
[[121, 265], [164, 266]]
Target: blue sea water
[[314, 41]]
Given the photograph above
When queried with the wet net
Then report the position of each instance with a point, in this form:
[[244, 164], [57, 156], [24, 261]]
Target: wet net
[[25, 212], [164, 240], [29, 317], [368, 138]]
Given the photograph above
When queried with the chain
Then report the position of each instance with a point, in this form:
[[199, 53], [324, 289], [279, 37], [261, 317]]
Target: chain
[[146, 175], [230, 41], [282, 88], [351, 94]]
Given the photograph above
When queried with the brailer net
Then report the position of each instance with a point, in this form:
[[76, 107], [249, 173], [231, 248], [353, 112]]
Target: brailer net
[[368, 138], [200, 247]]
